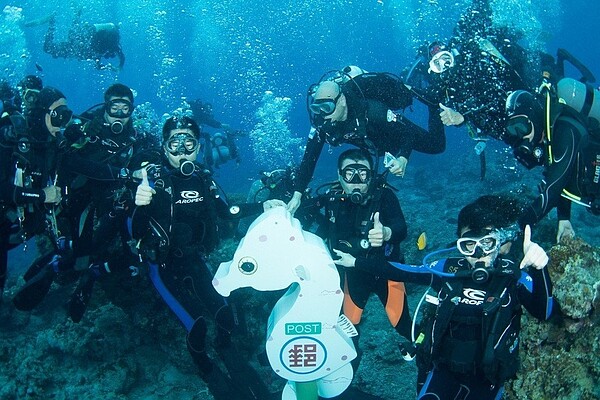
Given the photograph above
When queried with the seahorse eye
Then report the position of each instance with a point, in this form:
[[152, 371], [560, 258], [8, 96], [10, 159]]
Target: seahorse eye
[[248, 265]]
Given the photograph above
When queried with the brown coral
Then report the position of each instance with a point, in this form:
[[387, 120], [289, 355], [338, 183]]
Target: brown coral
[[560, 357]]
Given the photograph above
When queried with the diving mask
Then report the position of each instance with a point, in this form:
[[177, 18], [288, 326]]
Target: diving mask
[[520, 135], [30, 96], [119, 108], [325, 106], [468, 246], [355, 173], [182, 143], [488, 243], [517, 127], [441, 61], [60, 116]]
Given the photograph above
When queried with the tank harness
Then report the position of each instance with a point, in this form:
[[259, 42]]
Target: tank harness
[[26, 148], [493, 349], [589, 146], [155, 244], [363, 221]]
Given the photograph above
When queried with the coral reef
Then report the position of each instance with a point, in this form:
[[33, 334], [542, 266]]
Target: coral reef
[[129, 345], [560, 357]]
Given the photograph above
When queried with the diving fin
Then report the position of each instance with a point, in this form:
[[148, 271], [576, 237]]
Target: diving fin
[[80, 298], [39, 264], [36, 288], [38, 21]]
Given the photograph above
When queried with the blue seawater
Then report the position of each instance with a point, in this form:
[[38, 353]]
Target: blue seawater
[[254, 60]]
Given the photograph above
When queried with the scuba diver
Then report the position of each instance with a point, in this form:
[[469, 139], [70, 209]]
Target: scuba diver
[[175, 224], [563, 136], [471, 75], [23, 98], [366, 111], [30, 196], [362, 216], [87, 41], [102, 143], [99, 146], [222, 149], [202, 113], [275, 184], [470, 346]]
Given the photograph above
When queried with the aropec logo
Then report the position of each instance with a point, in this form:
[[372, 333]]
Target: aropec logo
[[473, 297], [189, 196]]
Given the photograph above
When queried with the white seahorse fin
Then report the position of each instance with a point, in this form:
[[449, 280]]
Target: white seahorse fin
[[347, 327]]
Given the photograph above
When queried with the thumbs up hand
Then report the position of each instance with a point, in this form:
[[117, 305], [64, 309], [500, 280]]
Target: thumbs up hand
[[379, 233], [144, 193], [450, 117], [534, 254], [145, 177]]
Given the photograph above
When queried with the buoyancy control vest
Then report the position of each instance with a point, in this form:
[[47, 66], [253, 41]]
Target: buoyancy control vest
[[487, 340], [33, 160], [97, 142], [577, 104], [184, 216], [350, 221], [585, 189]]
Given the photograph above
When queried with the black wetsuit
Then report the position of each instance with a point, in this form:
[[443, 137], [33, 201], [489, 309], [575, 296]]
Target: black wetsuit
[[178, 229], [572, 173], [477, 89], [346, 228], [92, 169], [367, 122], [94, 212], [478, 84], [99, 200], [34, 154], [459, 338], [221, 150]]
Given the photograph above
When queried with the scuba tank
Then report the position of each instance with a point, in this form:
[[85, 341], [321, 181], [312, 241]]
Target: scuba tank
[[582, 98]]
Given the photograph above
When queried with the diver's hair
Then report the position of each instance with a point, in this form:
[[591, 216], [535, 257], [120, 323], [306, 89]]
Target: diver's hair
[[180, 123], [355, 155], [31, 82], [47, 97], [36, 116], [497, 211], [118, 90]]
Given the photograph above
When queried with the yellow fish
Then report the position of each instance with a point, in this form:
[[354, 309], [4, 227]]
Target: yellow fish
[[422, 241]]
